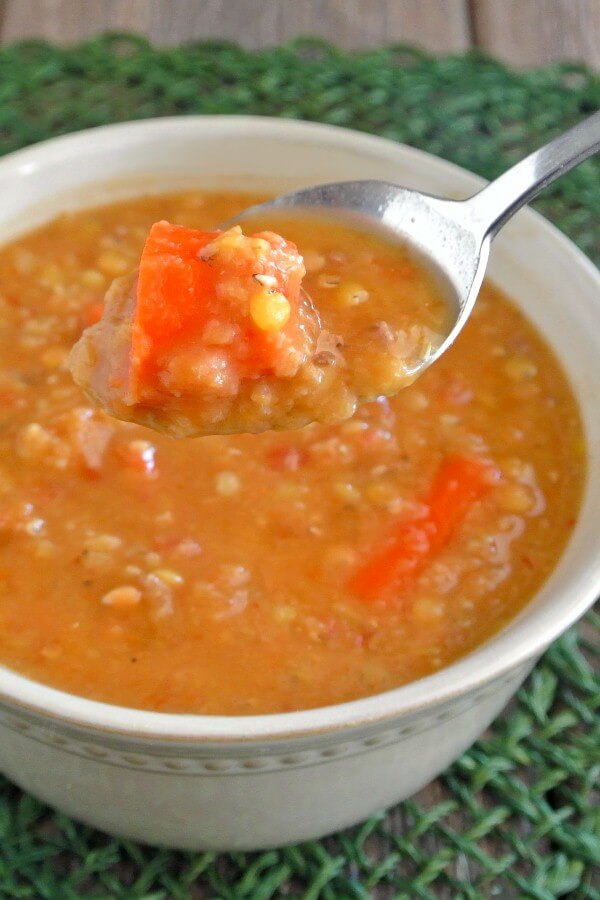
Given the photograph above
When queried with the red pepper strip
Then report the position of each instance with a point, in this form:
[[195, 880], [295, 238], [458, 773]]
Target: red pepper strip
[[459, 483]]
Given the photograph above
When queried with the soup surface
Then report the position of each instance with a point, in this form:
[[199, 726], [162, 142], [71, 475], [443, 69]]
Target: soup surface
[[218, 575]]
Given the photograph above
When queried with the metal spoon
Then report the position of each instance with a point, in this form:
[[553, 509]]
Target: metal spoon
[[453, 236]]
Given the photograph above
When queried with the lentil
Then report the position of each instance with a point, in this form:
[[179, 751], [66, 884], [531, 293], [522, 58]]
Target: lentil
[[122, 597], [227, 484]]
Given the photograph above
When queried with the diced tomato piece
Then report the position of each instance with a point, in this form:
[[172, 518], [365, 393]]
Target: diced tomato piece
[[91, 314], [138, 455], [287, 459]]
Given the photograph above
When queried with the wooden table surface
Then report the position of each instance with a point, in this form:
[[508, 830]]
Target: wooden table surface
[[521, 32]]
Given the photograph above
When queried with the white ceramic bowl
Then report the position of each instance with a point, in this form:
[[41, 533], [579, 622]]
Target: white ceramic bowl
[[249, 782]]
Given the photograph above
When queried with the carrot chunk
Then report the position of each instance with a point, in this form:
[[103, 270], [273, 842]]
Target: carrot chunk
[[213, 308], [459, 483]]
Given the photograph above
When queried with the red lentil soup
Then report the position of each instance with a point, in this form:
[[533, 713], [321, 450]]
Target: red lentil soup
[[226, 574]]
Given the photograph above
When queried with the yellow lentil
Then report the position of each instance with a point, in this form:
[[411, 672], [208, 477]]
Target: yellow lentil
[[92, 279], [351, 294], [114, 264], [269, 310], [519, 368], [227, 484], [169, 577], [122, 597], [514, 497]]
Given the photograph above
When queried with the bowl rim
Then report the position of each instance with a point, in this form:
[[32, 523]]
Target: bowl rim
[[508, 650]]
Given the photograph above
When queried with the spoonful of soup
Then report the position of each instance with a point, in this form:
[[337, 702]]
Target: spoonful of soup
[[225, 332], [239, 331]]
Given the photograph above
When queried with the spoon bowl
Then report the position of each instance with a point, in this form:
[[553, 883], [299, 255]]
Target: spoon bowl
[[438, 232], [452, 238]]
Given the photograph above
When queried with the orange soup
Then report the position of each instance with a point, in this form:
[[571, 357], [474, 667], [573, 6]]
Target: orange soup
[[245, 574]]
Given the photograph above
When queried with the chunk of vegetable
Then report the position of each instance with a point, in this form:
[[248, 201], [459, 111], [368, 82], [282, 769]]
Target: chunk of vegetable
[[458, 485], [207, 301]]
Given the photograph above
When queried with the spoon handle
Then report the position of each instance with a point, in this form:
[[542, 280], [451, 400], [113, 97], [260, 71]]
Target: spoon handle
[[494, 205]]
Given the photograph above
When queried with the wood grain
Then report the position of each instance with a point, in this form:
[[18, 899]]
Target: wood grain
[[533, 32], [437, 25], [521, 32]]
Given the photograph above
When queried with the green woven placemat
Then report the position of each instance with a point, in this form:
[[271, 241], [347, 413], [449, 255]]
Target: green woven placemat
[[516, 816]]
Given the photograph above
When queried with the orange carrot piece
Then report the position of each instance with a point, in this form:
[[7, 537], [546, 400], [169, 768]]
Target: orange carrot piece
[[459, 483], [181, 290]]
